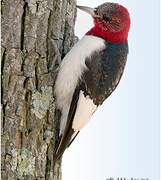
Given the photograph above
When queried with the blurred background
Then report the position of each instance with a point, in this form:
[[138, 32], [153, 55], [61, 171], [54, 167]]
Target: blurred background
[[122, 138]]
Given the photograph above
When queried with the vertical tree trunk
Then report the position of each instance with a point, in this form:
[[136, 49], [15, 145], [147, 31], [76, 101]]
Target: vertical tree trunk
[[36, 34]]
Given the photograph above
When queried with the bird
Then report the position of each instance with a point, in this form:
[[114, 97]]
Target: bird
[[91, 70]]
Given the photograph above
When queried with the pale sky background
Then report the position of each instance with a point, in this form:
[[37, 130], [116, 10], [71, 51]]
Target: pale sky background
[[122, 138]]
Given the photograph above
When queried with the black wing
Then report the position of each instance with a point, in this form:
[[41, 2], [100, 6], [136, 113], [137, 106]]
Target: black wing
[[105, 69]]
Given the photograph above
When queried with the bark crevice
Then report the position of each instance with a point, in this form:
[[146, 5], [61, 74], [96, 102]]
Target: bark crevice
[[23, 26]]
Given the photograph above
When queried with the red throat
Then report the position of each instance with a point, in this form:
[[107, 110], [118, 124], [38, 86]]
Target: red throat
[[116, 37]]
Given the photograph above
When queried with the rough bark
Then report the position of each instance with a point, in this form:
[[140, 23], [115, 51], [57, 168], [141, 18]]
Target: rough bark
[[36, 34]]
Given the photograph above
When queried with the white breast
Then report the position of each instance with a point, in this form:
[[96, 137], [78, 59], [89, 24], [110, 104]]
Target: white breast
[[71, 69]]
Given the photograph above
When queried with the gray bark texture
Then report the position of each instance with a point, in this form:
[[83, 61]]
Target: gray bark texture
[[36, 34]]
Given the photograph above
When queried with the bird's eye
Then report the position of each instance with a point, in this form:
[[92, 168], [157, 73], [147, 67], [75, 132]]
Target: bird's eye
[[107, 18], [95, 11]]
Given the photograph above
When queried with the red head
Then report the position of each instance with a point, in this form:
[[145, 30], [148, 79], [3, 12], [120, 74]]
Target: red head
[[111, 22]]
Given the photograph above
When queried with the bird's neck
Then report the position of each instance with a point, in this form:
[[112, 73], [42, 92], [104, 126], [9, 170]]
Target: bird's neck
[[115, 37]]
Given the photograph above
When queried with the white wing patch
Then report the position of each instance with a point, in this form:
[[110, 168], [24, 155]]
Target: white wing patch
[[84, 111]]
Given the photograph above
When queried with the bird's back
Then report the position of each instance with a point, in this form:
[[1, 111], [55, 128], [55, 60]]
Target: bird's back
[[105, 68]]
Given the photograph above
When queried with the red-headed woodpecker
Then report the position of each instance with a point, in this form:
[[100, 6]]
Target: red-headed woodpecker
[[91, 70]]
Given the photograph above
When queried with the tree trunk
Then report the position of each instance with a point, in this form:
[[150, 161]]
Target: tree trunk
[[36, 34]]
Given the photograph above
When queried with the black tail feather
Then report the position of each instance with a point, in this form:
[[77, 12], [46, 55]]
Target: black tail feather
[[64, 141]]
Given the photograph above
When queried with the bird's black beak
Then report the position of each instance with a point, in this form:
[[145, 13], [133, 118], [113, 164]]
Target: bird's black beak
[[88, 10]]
